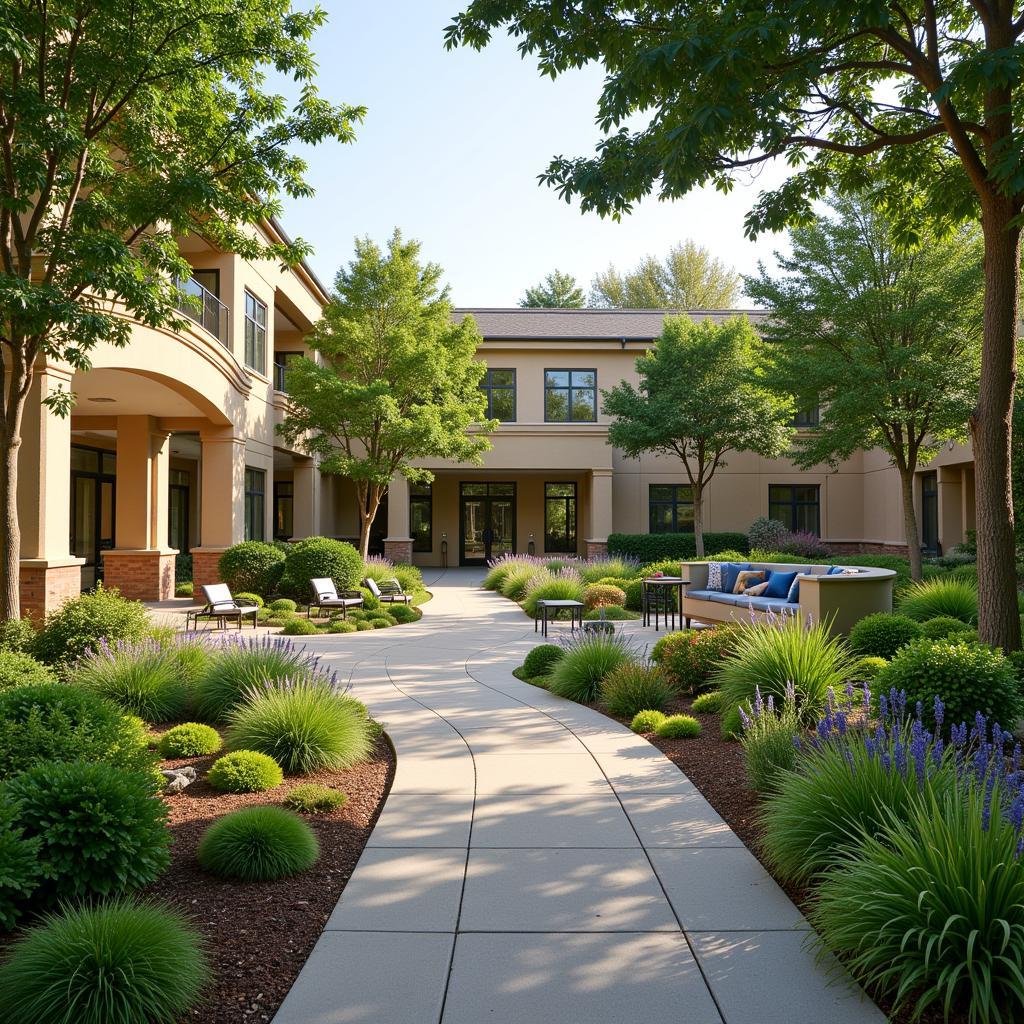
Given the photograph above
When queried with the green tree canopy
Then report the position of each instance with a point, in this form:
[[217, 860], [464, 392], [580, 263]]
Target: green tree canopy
[[688, 278], [124, 125], [886, 339], [396, 380], [917, 100], [701, 396], [556, 291]]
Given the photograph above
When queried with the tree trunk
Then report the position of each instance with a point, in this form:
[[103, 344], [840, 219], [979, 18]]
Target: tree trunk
[[10, 531], [698, 519], [910, 523], [991, 426], [369, 506]]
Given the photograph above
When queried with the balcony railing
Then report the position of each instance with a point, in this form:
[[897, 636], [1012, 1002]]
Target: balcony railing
[[202, 306]]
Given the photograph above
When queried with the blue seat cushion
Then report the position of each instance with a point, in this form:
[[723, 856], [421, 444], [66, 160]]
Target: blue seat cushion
[[767, 604], [730, 570], [727, 598], [779, 585], [701, 595]]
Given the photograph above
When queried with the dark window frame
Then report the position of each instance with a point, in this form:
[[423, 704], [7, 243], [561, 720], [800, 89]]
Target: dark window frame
[[281, 368], [255, 500], [572, 509], [215, 290], [569, 389], [793, 506], [675, 502], [806, 419], [259, 362], [281, 496], [423, 500], [489, 388]]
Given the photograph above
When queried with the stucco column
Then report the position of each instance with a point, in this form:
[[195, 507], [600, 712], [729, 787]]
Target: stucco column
[[398, 542], [599, 512], [142, 565], [306, 499], [222, 502], [48, 574], [951, 520]]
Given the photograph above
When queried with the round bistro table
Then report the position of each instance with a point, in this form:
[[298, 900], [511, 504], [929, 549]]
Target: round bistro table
[[659, 586]]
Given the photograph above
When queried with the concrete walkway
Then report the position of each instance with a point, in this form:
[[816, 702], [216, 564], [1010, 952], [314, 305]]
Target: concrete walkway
[[536, 862]]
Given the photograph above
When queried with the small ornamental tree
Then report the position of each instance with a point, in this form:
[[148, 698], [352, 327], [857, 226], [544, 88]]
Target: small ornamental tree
[[396, 381], [884, 338], [700, 397], [556, 291], [124, 125]]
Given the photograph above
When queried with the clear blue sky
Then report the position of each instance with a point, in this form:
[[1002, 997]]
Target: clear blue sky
[[450, 152]]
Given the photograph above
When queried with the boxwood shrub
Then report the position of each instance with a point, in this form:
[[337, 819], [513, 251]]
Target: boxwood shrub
[[19, 669], [881, 635], [250, 566], [320, 557], [190, 739], [19, 866], [651, 547], [244, 771], [541, 659]]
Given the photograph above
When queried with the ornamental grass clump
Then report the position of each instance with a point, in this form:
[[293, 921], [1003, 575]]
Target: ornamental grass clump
[[141, 677], [566, 586], [304, 727], [957, 598], [119, 962], [678, 727], [709, 703], [519, 580], [499, 568], [587, 660], [258, 844], [597, 569], [769, 739], [634, 687]]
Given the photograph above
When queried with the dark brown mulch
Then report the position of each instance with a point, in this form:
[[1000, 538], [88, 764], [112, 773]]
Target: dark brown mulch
[[259, 934]]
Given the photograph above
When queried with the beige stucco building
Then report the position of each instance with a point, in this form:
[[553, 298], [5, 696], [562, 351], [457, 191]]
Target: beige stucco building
[[171, 448]]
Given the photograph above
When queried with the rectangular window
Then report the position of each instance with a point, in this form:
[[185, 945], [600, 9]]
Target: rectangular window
[[499, 388], [805, 419], [560, 518], [209, 279], [255, 334], [670, 507], [282, 360], [796, 505], [421, 516], [570, 396], [255, 502], [284, 509]]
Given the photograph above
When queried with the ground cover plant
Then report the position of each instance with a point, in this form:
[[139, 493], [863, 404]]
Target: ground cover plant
[[312, 798]]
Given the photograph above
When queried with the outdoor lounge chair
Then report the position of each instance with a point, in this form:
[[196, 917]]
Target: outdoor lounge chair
[[222, 606], [326, 596], [388, 592]]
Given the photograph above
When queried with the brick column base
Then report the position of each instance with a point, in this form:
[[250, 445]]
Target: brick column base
[[204, 569], [140, 575], [399, 549], [45, 586], [597, 549]]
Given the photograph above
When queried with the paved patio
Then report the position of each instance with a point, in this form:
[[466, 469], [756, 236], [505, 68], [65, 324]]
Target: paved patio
[[537, 862]]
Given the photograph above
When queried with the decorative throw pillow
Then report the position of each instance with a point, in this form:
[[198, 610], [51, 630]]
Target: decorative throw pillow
[[779, 584], [714, 575], [793, 597], [746, 579], [730, 570], [758, 590]]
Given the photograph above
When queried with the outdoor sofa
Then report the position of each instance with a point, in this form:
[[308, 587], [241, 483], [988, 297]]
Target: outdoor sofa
[[839, 595]]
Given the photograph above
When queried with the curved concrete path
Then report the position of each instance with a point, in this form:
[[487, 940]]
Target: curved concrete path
[[536, 861]]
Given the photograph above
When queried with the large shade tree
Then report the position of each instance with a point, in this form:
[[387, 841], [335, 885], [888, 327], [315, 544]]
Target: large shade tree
[[558, 290], [917, 96], [885, 338], [701, 396], [124, 125], [395, 380], [689, 277]]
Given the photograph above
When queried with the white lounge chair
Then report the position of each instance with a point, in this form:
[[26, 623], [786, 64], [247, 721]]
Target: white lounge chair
[[388, 591], [222, 606], [326, 595]]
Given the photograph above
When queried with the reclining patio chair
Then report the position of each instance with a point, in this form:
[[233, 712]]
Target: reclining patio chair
[[220, 605], [326, 596], [388, 591]]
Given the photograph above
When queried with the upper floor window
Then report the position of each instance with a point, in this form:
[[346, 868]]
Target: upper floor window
[[255, 502], [670, 508], [499, 388], [255, 333], [796, 505], [282, 360], [805, 419], [570, 396]]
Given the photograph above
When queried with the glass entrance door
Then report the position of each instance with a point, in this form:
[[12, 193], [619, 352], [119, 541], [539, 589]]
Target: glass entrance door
[[487, 521], [930, 513], [92, 509]]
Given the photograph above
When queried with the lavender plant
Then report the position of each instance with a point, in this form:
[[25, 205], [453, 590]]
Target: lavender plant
[[769, 738]]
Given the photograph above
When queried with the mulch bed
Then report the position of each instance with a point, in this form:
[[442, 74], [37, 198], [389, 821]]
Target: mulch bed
[[259, 934]]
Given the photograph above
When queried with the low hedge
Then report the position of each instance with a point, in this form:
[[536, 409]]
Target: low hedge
[[652, 547]]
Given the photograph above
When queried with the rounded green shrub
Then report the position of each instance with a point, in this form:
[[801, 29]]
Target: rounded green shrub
[[881, 635], [120, 962], [968, 677], [363, 626], [312, 798], [316, 558], [258, 844], [190, 739], [541, 659], [102, 830], [184, 589], [81, 624], [611, 613], [647, 721], [342, 626], [708, 703], [244, 771], [633, 687], [678, 727], [250, 567], [587, 660], [251, 664], [866, 669], [17, 635], [248, 597], [957, 598], [557, 588], [283, 604], [402, 613], [142, 679], [19, 669], [54, 722], [690, 657], [303, 727], [602, 595], [19, 866], [943, 626], [299, 627], [629, 587], [379, 622], [409, 577]]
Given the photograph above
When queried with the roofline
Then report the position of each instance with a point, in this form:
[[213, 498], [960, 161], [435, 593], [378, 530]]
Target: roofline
[[308, 272]]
